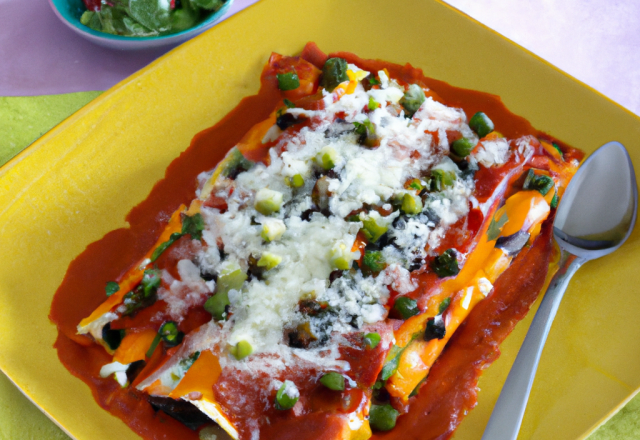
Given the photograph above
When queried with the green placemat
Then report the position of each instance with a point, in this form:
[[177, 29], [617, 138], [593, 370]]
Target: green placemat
[[22, 121]]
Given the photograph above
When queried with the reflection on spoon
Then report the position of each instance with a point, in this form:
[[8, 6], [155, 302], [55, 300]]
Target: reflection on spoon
[[595, 217]]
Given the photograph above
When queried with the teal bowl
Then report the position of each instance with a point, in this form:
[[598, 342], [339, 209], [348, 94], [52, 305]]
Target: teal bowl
[[69, 11]]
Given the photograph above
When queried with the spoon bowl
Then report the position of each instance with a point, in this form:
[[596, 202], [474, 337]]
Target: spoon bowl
[[596, 216]]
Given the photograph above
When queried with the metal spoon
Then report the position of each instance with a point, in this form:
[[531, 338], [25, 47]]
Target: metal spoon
[[596, 215]]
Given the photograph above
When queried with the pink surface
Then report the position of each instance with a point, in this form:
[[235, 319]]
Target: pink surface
[[597, 42]]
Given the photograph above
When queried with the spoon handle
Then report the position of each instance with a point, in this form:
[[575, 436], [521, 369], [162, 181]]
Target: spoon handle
[[506, 417]]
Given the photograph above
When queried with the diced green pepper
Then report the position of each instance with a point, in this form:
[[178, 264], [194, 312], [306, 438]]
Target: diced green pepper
[[268, 201], [334, 72], [412, 99], [372, 230], [462, 147], [269, 260], [539, 182], [287, 396], [327, 157], [366, 131], [371, 340], [411, 204], [334, 381], [440, 179], [446, 265], [170, 334], [288, 81], [382, 417], [406, 307], [272, 229], [481, 124]]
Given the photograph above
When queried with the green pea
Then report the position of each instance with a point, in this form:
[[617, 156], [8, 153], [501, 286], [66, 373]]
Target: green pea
[[406, 307], [462, 147], [334, 381], [371, 340], [481, 124], [382, 417], [412, 99], [284, 400]]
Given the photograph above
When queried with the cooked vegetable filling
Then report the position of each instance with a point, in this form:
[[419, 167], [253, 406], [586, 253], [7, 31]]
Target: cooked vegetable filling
[[333, 266]]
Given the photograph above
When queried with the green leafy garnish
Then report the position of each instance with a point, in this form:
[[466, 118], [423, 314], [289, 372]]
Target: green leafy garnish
[[373, 104], [446, 265], [288, 81], [193, 226], [495, 226], [111, 288], [373, 81], [444, 305], [374, 261], [392, 362], [334, 72], [539, 182], [406, 307], [164, 246]]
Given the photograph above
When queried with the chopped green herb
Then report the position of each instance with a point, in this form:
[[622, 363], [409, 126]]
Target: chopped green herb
[[374, 260], [557, 147], [288, 81], [111, 288], [392, 362], [289, 104], [481, 124], [406, 307], [440, 179], [334, 72], [285, 401], [382, 417], [151, 281], [554, 200], [415, 184], [373, 104], [539, 182], [154, 344], [495, 226], [371, 229], [462, 147], [366, 130], [412, 99], [193, 225], [446, 264], [332, 380], [373, 81], [163, 246], [444, 305], [371, 340]]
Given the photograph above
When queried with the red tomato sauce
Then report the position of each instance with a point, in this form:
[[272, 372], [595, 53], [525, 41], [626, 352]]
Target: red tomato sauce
[[450, 390]]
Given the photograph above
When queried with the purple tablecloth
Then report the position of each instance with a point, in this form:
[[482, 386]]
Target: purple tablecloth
[[596, 41], [39, 55]]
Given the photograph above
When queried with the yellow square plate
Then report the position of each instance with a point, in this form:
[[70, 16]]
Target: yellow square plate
[[80, 180]]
